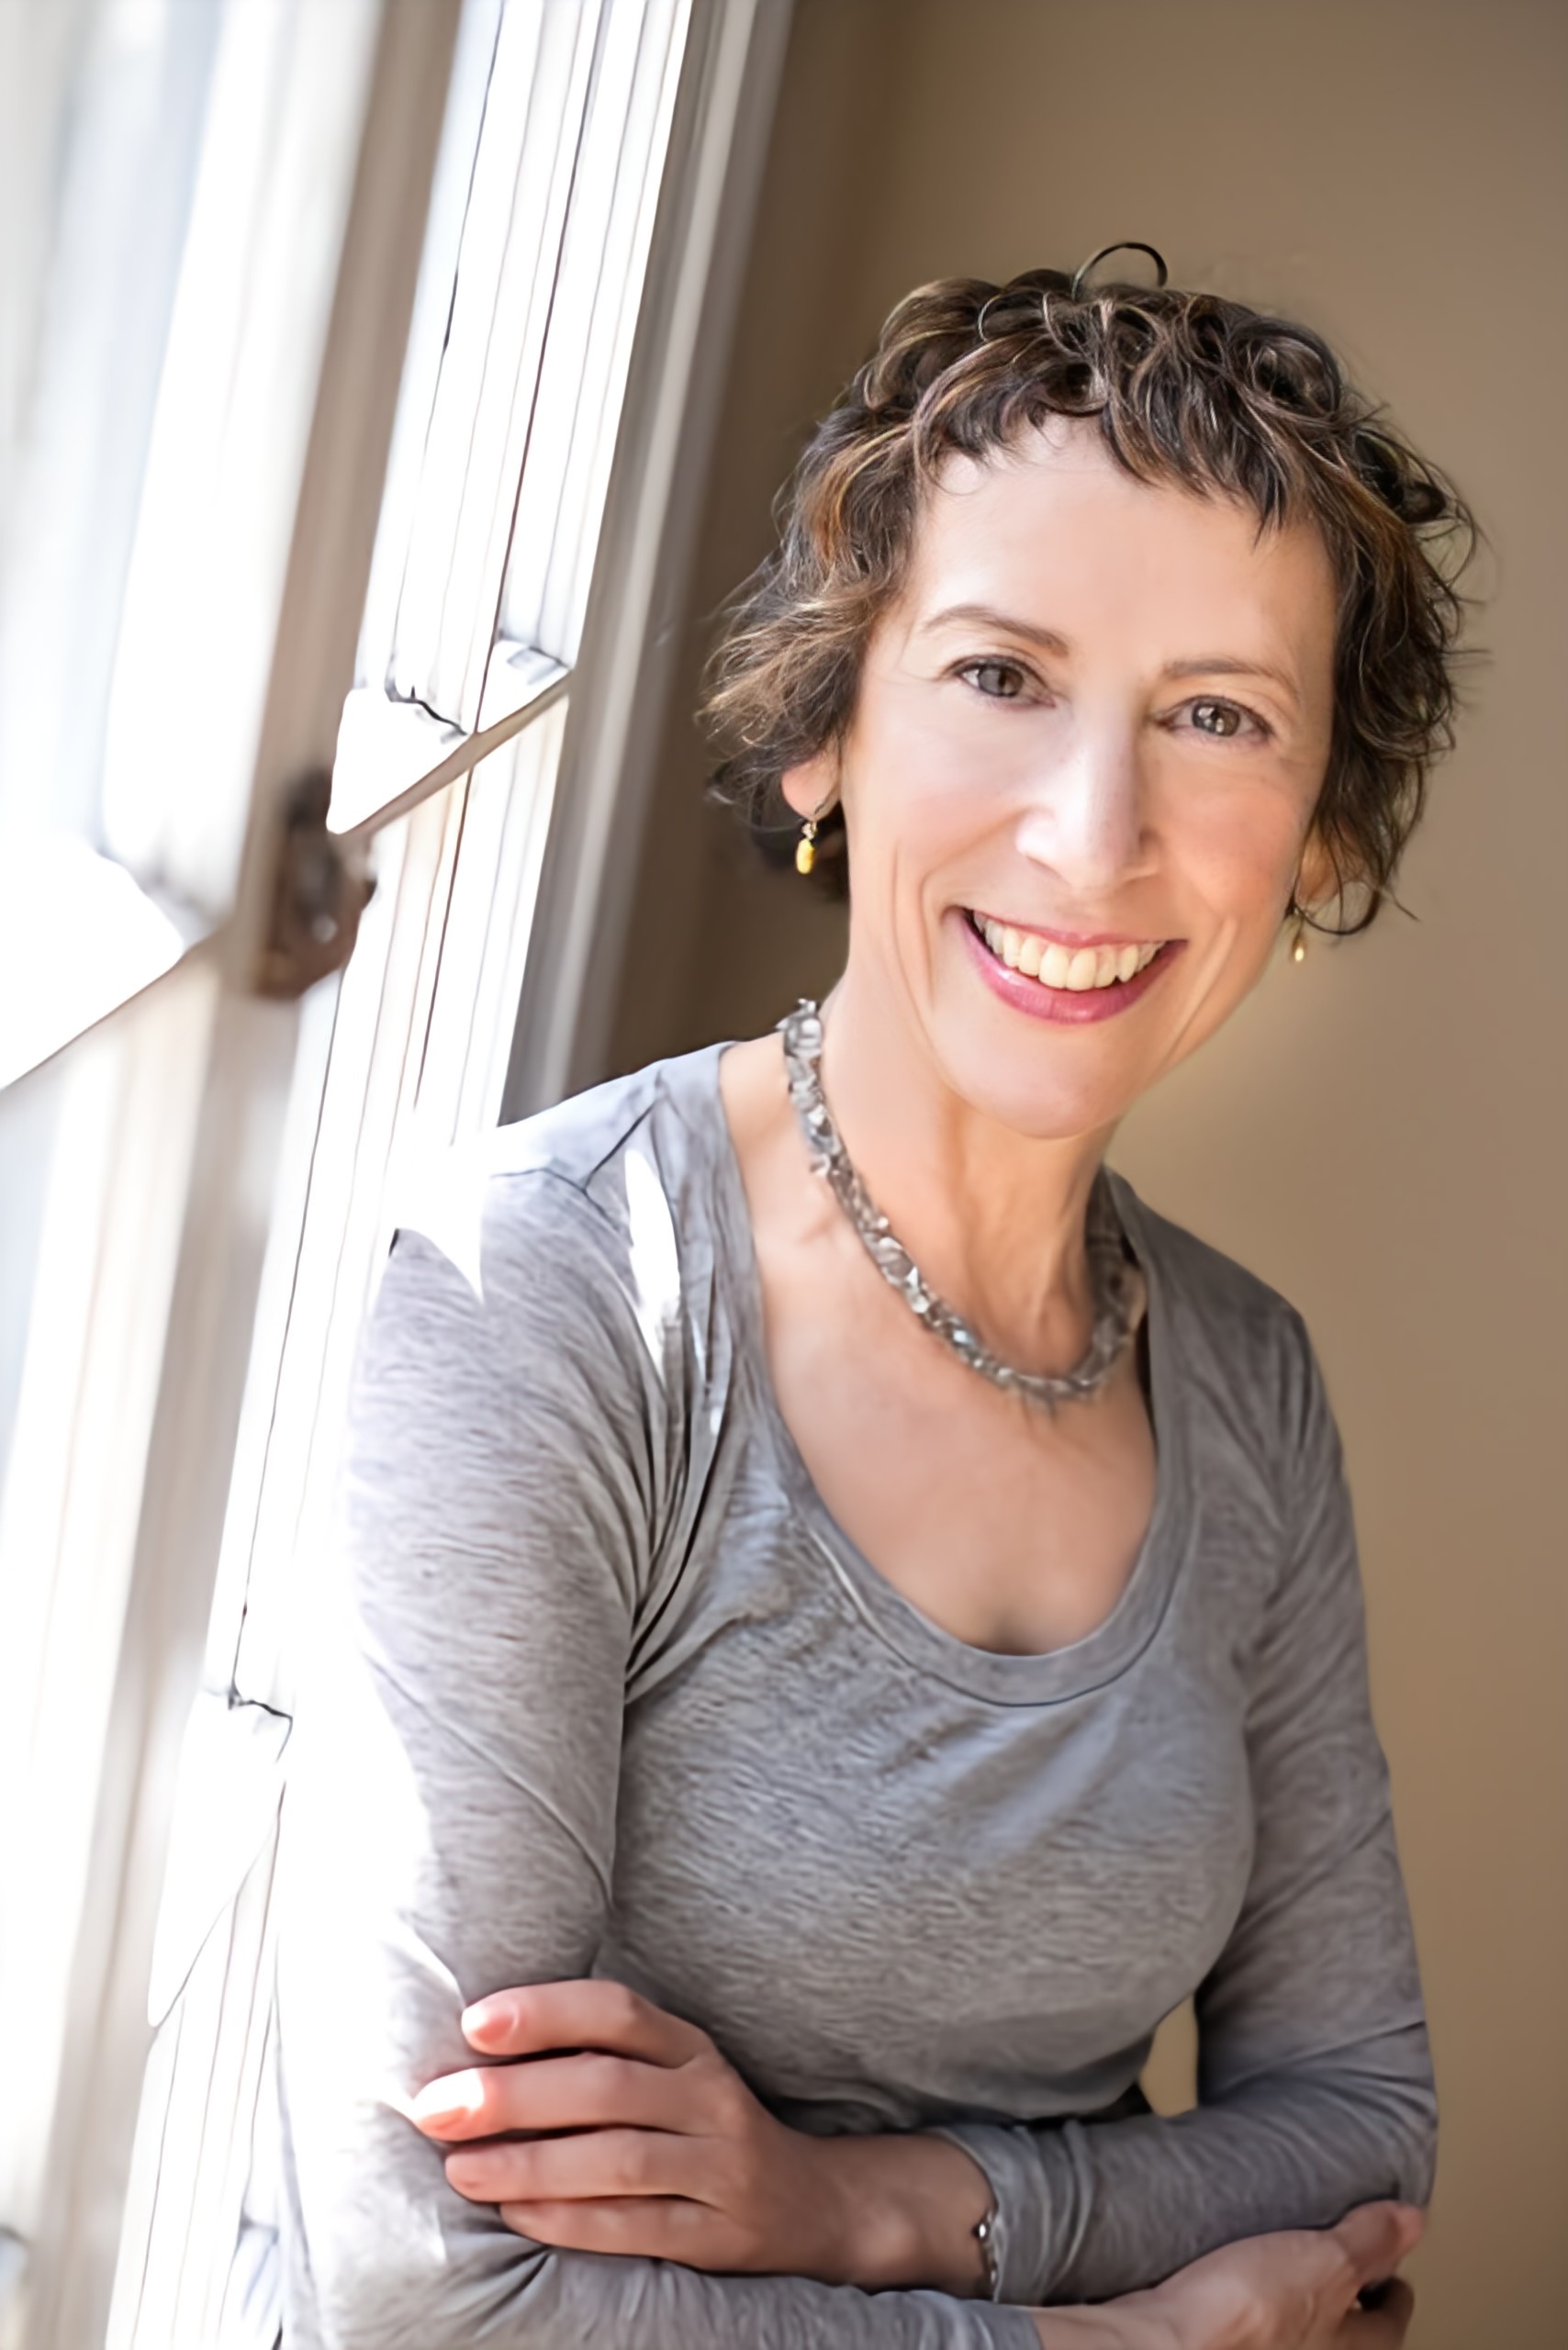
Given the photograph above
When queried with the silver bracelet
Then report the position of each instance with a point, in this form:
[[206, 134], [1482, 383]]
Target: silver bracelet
[[985, 2237]]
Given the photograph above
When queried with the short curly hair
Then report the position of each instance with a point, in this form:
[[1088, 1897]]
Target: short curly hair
[[1185, 387]]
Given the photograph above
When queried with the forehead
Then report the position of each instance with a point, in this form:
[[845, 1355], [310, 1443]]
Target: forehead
[[1053, 529]]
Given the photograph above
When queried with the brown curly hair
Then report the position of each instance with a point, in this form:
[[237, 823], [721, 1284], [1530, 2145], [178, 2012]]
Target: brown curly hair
[[1186, 388]]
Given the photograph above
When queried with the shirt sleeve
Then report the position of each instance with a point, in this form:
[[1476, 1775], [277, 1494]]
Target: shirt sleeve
[[450, 1824], [1314, 2079]]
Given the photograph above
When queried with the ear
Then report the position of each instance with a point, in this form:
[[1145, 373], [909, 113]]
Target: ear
[[812, 787], [1318, 880]]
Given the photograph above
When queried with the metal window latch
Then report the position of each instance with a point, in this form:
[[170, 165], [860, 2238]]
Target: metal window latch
[[322, 888]]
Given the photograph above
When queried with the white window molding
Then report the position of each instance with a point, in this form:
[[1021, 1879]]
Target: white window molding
[[177, 286], [100, 1874], [237, 403], [530, 292], [300, 1116], [699, 248]]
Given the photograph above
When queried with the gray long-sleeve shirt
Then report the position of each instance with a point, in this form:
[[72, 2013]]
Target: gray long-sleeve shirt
[[612, 1693]]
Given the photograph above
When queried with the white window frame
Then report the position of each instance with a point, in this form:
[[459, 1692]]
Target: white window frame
[[215, 1071], [238, 1061], [101, 897]]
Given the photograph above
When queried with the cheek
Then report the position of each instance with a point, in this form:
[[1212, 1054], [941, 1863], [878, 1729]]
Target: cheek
[[936, 781], [1238, 849]]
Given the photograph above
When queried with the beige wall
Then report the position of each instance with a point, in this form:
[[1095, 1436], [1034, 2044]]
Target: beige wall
[[1382, 1132]]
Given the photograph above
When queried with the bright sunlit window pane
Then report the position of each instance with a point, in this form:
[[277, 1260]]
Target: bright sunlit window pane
[[500, 311], [173, 181], [548, 182], [557, 125], [233, 416], [84, 935], [577, 409], [101, 115], [400, 1057]]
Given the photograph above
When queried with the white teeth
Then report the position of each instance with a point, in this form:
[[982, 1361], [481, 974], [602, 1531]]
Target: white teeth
[[1060, 967]]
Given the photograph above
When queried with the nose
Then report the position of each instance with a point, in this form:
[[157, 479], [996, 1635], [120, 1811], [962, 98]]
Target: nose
[[1085, 818]]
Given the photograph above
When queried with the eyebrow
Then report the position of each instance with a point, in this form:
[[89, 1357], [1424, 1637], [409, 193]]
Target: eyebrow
[[1225, 665], [1050, 639]]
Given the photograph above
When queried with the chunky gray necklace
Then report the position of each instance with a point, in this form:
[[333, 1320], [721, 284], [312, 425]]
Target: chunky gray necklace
[[1115, 1281]]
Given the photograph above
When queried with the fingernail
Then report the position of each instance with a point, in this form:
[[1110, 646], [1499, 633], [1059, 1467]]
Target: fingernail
[[489, 2019], [440, 2103]]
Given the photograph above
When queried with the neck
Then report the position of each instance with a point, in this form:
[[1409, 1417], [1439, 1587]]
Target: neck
[[994, 1219]]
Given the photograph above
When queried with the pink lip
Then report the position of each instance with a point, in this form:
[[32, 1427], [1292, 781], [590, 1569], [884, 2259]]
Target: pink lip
[[1068, 1007]]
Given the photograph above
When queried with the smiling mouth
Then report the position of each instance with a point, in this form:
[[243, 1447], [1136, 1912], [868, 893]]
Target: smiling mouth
[[1083, 970]]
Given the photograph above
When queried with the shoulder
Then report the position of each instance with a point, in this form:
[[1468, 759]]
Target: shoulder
[[1240, 1348], [605, 1201]]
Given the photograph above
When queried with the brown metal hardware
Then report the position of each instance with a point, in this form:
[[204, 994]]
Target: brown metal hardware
[[322, 887]]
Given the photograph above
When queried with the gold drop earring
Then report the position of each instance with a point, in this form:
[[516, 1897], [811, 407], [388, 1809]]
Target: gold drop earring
[[806, 846], [1297, 914]]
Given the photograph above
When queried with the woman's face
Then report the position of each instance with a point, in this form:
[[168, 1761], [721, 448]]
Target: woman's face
[[1088, 744]]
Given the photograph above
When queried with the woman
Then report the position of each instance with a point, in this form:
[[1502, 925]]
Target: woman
[[823, 1714]]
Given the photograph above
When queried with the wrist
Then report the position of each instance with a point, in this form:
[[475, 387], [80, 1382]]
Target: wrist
[[908, 2207], [1073, 2330], [1117, 2325], [1133, 2323]]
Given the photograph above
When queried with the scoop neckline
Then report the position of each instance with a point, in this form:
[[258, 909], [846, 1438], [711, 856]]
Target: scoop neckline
[[1042, 1677]]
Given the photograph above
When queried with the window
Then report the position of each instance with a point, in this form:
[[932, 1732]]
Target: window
[[180, 181], [541, 221], [464, 267]]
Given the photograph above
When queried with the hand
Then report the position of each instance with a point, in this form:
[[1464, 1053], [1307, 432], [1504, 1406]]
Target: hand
[[666, 2153], [1297, 2291]]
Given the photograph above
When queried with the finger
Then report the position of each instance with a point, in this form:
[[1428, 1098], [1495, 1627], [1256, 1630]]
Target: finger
[[593, 2166], [1377, 2237], [1393, 2299], [458, 2105], [1383, 2327], [647, 2227], [586, 2092], [535, 2017]]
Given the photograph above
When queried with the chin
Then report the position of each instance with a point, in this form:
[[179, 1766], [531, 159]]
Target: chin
[[1053, 1064], [1053, 1091]]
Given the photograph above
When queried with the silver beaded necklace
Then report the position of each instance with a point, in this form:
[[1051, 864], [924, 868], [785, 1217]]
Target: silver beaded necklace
[[1115, 1281]]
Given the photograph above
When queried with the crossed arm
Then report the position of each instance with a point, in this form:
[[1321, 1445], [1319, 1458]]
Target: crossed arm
[[668, 2156]]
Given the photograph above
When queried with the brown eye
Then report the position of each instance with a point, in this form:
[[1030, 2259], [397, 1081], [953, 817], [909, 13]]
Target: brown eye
[[1221, 718], [998, 680]]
